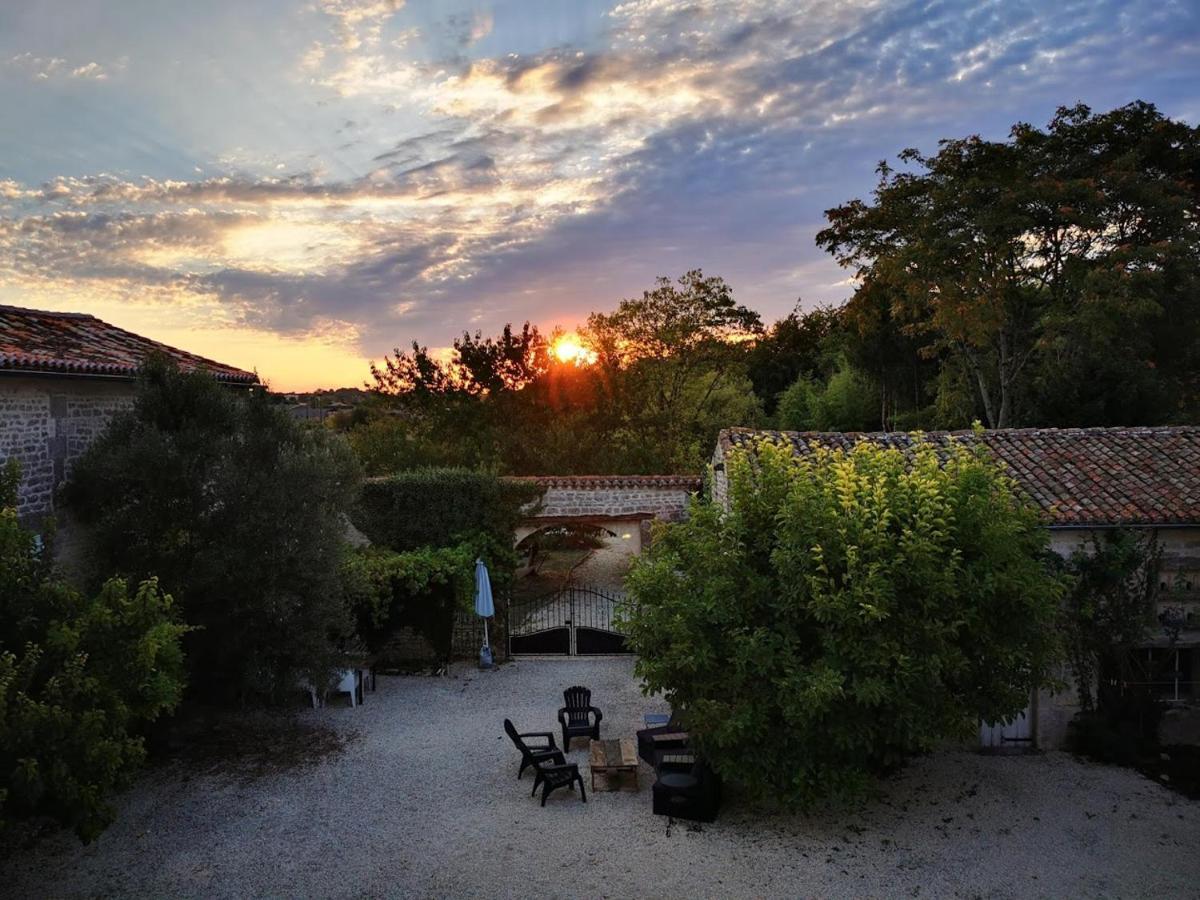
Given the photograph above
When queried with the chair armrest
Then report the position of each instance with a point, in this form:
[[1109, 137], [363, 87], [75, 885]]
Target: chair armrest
[[562, 716], [538, 734], [549, 753], [670, 737], [562, 767], [599, 715]]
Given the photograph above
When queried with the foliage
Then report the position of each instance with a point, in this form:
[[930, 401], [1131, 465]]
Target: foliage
[[847, 402], [1044, 265], [79, 675], [670, 354], [447, 508], [1109, 607], [240, 511], [420, 588], [669, 372], [1046, 279], [802, 345], [847, 611]]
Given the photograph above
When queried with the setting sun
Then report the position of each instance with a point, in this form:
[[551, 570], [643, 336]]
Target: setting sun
[[568, 349]]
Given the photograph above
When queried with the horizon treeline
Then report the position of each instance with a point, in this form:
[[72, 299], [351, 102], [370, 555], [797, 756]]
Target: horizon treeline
[[1052, 279]]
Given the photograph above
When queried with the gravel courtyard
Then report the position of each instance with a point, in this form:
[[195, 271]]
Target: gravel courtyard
[[425, 803]]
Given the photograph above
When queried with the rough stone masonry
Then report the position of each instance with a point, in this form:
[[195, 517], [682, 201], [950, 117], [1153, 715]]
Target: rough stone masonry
[[46, 423]]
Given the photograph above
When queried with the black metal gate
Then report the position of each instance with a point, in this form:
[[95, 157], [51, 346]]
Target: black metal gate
[[576, 621]]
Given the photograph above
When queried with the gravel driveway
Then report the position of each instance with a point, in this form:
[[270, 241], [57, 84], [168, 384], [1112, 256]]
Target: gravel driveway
[[425, 803]]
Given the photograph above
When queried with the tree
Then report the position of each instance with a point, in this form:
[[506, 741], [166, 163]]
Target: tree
[[79, 676], [849, 610], [665, 358], [800, 345], [1110, 606], [847, 402], [240, 511], [1058, 248]]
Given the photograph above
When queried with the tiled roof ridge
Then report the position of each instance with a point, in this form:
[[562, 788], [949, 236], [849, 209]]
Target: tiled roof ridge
[[5, 307], [967, 432], [70, 343], [1108, 475], [665, 480]]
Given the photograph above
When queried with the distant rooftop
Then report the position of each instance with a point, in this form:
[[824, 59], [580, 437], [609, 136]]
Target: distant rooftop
[[1078, 476], [58, 343]]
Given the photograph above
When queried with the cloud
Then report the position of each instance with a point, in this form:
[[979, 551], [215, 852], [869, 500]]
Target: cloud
[[688, 133], [45, 68], [359, 22]]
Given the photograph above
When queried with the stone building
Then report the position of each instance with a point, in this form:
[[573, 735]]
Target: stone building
[[1084, 480], [62, 378], [624, 503]]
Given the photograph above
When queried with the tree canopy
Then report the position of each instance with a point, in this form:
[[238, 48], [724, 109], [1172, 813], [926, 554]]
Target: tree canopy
[[1046, 279], [240, 511], [1053, 259]]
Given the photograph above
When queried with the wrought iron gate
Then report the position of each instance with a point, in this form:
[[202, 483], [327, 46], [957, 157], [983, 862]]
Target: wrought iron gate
[[576, 621]]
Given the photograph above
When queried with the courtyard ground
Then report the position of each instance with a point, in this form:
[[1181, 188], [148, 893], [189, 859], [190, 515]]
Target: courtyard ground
[[424, 802]]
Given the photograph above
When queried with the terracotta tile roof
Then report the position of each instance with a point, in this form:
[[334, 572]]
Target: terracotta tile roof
[[1078, 476], [33, 340], [600, 482]]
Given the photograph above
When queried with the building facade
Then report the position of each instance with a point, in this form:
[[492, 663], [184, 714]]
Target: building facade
[[63, 376]]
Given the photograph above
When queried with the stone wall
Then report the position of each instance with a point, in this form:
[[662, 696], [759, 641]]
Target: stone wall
[[46, 423]]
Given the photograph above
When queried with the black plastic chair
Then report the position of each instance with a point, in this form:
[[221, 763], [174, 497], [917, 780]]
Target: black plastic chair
[[531, 755], [552, 777], [661, 738], [576, 716]]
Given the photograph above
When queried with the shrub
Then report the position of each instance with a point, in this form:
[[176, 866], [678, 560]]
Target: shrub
[[422, 589], [240, 511], [1109, 608], [445, 508], [78, 676], [849, 610]]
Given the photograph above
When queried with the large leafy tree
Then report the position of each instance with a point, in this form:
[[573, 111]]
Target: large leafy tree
[[240, 511], [667, 357], [80, 675], [848, 610], [454, 411], [1064, 253]]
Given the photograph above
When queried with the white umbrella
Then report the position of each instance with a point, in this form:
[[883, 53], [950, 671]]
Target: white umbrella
[[483, 596]]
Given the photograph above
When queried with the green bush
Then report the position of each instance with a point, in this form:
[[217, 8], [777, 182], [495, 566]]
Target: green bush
[[422, 589], [848, 611], [78, 676], [240, 511], [445, 508]]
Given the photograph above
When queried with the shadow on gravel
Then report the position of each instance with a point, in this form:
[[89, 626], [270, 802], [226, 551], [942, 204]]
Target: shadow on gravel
[[248, 745]]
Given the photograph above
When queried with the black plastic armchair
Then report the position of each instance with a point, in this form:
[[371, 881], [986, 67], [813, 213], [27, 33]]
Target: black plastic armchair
[[531, 754], [652, 742], [550, 777], [576, 716], [686, 788]]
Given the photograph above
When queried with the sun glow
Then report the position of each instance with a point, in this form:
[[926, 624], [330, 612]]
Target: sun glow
[[568, 349]]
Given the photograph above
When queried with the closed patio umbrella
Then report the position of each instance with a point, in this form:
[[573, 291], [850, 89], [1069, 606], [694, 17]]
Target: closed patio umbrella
[[485, 607]]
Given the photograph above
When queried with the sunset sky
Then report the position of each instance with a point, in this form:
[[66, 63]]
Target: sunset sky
[[299, 187]]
